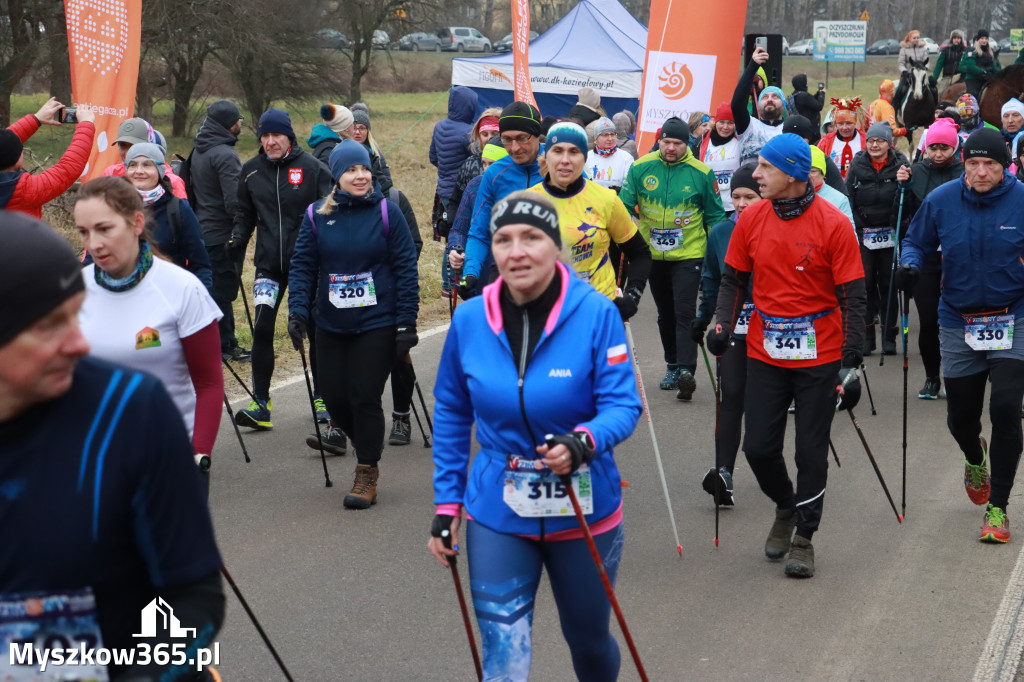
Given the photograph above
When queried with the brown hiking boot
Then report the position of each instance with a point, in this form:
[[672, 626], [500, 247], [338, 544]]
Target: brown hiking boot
[[364, 488], [801, 558], [781, 535]]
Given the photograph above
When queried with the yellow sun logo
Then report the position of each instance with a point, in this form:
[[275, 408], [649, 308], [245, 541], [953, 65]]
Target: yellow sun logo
[[675, 81]]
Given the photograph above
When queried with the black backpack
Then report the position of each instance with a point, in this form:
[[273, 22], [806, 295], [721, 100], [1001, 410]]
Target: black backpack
[[184, 172]]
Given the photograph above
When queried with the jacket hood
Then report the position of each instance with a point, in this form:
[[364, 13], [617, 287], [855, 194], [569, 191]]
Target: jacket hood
[[211, 134], [462, 104], [321, 133], [572, 294], [993, 194], [800, 82], [8, 183], [687, 156]]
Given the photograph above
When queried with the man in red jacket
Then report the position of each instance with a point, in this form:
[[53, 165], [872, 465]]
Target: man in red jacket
[[25, 192]]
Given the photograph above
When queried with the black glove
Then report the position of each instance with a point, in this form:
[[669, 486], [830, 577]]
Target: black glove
[[628, 302], [441, 527], [697, 329], [718, 338], [847, 389], [906, 277], [297, 330], [466, 286], [405, 339], [579, 444], [235, 246]]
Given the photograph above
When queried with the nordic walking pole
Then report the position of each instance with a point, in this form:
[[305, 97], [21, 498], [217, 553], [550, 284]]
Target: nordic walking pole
[[256, 623], [867, 385], [245, 302], [455, 290], [238, 378], [892, 271], [707, 363], [446, 538], [419, 392], [864, 442], [415, 413], [654, 438], [609, 590], [905, 329], [231, 418], [718, 425], [834, 455], [312, 406]]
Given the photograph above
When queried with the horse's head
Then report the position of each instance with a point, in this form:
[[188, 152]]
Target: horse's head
[[920, 88]]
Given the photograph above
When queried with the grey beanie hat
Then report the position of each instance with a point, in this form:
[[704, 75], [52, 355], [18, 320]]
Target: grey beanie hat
[[880, 129]]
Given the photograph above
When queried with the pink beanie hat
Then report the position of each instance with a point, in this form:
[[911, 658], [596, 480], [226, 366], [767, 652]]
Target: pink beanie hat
[[943, 131]]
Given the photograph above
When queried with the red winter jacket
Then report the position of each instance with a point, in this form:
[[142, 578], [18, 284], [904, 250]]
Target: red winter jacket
[[32, 191]]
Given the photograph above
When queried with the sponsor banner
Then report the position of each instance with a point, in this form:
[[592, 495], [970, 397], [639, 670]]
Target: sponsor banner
[[521, 51], [549, 79], [103, 44], [840, 41], [676, 84], [689, 71], [1016, 38]]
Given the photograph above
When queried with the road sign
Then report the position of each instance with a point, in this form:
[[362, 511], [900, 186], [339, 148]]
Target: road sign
[[864, 16]]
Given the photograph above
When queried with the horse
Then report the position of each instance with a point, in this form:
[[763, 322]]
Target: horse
[[1006, 84], [916, 109]]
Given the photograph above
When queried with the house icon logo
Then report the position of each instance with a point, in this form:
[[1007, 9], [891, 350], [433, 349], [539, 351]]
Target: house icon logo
[[147, 337], [158, 614]]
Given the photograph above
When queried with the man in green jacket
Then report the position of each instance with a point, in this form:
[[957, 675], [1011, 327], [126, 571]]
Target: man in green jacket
[[675, 197], [980, 64]]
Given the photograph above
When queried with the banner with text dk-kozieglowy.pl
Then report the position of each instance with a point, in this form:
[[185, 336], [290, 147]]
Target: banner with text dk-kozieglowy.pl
[[103, 42], [686, 70]]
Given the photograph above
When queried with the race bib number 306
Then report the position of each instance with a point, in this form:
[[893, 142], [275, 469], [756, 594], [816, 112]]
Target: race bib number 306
[[989, 332], [532, 489]]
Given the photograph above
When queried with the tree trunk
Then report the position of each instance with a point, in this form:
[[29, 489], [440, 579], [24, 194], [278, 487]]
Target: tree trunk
[[143, 95], [5, 110], [488, 17], [57, 52], [182, 96]]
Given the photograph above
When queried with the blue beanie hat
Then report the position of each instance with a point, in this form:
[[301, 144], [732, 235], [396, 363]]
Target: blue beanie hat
[[568, 132], [777, 91], [276, 121], [346, 154], [790, 154]]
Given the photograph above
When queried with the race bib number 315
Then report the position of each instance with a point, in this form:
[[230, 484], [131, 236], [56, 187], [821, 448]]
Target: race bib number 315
[[532, 489]]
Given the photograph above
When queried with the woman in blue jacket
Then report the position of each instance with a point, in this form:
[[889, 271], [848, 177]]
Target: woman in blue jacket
[[354, 269], [540, 352]]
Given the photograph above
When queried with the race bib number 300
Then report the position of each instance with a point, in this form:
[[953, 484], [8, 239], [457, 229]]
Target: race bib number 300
[[790, 339], [33, 622], [989, 332], [532, 489], [352, 291], [666, 239]]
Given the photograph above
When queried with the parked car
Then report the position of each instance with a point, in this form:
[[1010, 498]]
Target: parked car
[[329, 39], [419, 41], [505, 44], [933, 47], [381, 40], [887, 46], [463, 39], [1003, 45], [804, 47], [785, 46]]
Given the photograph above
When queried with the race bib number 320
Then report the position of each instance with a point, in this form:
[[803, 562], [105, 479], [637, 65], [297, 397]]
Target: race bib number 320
[[352, 291], [532, 489]]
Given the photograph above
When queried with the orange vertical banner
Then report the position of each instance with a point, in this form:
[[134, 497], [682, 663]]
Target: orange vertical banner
[[521, 51], [103, 43], [686, 70]]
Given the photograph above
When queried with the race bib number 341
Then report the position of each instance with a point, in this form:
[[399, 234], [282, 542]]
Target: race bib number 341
[[790, 339], [532, 489]]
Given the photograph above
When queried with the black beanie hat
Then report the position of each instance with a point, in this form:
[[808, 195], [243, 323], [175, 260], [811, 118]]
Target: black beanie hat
[[800, 82], [744, 177], [39, 272], [987, 143], [10, 148], [799, 125], [982, 33], [534, 212], [520, 116], [224, 112], [676, 129]]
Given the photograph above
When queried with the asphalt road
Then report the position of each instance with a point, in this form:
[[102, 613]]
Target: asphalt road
[[354, 595]]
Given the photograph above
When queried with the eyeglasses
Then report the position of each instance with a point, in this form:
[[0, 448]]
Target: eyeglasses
[[517, 139], [359, 128], [877, 141]]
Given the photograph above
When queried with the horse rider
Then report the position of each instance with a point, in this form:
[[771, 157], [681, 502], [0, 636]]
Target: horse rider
[[947, 66], [980, 64]]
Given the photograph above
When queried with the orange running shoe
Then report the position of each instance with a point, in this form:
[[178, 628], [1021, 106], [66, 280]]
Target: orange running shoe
[[977, 478], [996, 527]]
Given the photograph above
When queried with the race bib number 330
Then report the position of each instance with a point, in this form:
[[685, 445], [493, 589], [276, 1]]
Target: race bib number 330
[[532, 489], [989, 332]]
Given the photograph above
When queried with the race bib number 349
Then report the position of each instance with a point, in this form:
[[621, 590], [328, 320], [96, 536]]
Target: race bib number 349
[[532, 489]]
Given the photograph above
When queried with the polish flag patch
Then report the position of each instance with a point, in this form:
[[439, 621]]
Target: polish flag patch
[[295, 176], [617, 354]]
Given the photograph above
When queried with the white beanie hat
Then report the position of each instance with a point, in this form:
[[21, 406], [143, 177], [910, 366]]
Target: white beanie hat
[[337, 117]]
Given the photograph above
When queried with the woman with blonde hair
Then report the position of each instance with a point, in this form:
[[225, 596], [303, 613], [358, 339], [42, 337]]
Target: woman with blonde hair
[[700, 123]]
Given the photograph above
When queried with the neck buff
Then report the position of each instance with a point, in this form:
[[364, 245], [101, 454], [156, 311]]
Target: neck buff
[[605, 151], [149, 196], [142, 265], [788, 209]]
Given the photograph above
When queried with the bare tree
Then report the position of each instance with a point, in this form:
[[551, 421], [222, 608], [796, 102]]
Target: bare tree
[[361, 19], [19, 45]]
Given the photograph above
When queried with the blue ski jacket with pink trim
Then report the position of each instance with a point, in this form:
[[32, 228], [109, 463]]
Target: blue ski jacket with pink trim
[[579, 377]]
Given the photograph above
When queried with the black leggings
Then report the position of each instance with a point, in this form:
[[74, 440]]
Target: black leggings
[[264, 325], [965, 399], [926, 298], [402, 383], [354, 369], [877, 274], [771, 390], [674, 288], [734, 383]]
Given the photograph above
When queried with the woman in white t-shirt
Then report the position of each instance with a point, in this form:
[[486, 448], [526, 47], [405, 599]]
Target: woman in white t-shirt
[[145, 312], [607, 164]]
